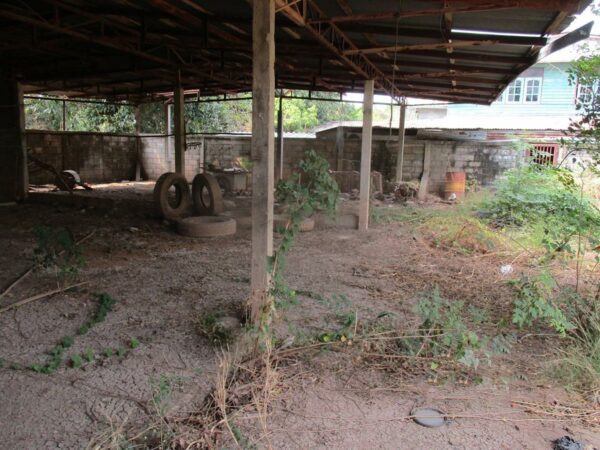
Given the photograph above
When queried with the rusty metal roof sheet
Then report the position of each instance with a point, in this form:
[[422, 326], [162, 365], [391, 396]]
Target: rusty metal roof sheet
[[459, 51]]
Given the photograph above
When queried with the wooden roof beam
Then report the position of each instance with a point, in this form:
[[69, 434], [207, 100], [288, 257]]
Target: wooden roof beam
[[332, 38], [453, 7], [433, 46]]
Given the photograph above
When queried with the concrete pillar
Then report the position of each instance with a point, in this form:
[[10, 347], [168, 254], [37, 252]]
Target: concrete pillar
[[423, 185], [138, 144], [63, 126], [365, 157], [13, 152], [168, 132], [400, 156], [179, 120], [339, 147], [263, 167], [280, 137]]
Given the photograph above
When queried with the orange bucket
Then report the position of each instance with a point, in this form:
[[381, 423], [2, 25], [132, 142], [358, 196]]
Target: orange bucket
[[455, 184]]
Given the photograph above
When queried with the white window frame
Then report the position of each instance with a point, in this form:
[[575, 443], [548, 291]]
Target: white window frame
[[539, 93], [514, 85], [593, 90]]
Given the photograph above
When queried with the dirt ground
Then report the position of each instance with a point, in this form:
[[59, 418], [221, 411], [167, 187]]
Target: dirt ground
[[163, 283]]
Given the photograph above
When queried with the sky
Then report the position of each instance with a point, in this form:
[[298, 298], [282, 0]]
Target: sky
[[586, 16]]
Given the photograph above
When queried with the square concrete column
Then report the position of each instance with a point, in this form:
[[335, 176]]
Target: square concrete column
[[365, 157], [400, 155], [263, 150], [179, 119], [14, 181], [280, 137]]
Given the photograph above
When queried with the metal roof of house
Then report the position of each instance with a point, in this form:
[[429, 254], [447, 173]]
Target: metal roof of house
[[573, 52], [462, 51]]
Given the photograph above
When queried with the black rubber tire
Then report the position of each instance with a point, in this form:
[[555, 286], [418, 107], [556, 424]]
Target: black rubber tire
[[206, 226], [281, 220], [208, 181], [161, 195], [70, 177]]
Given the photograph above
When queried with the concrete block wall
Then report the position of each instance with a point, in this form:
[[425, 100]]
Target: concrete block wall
[[106, 158], [97, 157], [481, 161]]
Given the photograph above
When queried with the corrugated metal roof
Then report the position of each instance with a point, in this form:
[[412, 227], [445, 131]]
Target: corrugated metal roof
[[128, 49]]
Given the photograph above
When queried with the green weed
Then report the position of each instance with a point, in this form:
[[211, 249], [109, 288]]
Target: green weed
[[56, 247]]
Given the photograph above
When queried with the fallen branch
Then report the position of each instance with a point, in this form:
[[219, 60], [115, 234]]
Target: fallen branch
[[42, 295], [32, 268]]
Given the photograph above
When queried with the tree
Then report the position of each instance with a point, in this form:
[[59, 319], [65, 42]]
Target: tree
[[43, 114], [101, 118], [584, 130]]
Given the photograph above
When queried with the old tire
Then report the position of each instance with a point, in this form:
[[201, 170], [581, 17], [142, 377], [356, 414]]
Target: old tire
[[206, 193], [182, 195], [206, 226], [281, 220], [67, 180]]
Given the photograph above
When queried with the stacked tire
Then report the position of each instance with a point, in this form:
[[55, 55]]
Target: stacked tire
[[206, 199]]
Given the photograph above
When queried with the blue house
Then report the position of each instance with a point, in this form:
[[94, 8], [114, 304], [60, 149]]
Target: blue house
[[536, 107], [541, 98]]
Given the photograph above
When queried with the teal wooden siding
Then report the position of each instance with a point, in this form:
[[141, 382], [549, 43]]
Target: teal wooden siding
[[557, 99]]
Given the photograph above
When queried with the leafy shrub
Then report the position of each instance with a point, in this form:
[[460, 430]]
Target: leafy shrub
[[531, 192], [306, 192], [547, 196], [447, 331], [534, 302], [57, 248]]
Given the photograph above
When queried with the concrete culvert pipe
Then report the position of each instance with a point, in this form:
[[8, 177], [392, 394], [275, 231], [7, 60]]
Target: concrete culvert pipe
[[207, 196], [206, 226], [172, 195], [281, 220]]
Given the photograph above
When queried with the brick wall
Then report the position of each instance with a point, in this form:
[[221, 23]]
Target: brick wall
[[97, 157], [105, 158]]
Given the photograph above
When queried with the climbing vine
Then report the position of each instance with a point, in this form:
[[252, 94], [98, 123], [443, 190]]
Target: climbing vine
[[306, 192]]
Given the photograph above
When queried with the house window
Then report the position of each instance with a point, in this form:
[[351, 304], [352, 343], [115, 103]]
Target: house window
[[544, 154], [585, 92], [533, 88], [514, 91]]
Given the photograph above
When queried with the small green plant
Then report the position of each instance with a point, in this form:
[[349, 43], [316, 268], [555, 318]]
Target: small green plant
[[134, 343], [209, 326], [76, 361], [56, 248], [447, 332], [162, 388], [534, 303], [310, 190], [547, 196], [88, 355], [105, 304]]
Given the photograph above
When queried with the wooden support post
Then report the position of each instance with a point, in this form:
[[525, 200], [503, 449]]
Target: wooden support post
[[339, 147], [22, 169], [138, 144], [168, 132], [280, 136], [64, 116], [365, 157], [13, 153], [263, 167], [179, 116], [400, 156], [423, 185]]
